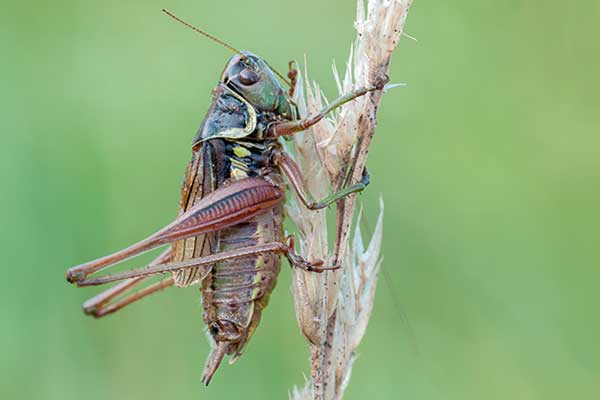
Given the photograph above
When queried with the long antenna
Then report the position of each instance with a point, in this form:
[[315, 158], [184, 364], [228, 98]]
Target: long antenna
[[219, 41], [200, 31], [279, 75]]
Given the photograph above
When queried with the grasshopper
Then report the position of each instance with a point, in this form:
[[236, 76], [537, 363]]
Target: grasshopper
[[228, 235]]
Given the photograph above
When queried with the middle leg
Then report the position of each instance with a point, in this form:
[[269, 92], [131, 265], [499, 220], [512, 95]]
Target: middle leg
[[292, 172]]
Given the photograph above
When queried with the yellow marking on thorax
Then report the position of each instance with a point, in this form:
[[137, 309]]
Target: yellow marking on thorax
[[238, 169], [238, 164], [238, 173], [241, 151]]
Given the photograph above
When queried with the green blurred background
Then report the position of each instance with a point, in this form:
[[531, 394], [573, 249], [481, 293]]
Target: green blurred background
[[488, 162]]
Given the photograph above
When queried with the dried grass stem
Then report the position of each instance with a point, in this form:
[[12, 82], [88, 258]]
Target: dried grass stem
[[333, 308]]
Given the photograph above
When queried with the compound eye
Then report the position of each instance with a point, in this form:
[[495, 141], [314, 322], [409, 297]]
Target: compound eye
[[248, 77]]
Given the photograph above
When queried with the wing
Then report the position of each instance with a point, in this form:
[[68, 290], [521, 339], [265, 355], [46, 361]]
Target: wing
[[229, 116], [201, 178]]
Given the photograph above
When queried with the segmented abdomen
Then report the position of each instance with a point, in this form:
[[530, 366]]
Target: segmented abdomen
[[238, 290]]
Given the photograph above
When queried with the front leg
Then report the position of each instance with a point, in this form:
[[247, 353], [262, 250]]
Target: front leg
[[277, 129], [293, 75]]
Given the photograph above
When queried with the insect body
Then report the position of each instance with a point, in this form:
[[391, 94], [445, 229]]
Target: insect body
[[228, 235]]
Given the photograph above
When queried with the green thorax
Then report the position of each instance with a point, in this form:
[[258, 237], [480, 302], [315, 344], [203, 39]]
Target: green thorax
[[247, 99]]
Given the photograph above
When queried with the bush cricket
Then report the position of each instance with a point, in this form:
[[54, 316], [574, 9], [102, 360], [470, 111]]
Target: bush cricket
[[228, 235]]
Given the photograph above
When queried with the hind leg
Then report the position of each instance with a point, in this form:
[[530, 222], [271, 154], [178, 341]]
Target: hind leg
[[237, 202], [104, 304]]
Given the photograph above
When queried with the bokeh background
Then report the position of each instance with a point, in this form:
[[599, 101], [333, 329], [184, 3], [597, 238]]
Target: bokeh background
[[489, 163]]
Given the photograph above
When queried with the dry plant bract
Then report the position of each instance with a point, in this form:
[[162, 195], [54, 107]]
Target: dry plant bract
[[333, 308]]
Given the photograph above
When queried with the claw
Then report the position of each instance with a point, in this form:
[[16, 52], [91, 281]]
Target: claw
[[297, 261], [323, 269]]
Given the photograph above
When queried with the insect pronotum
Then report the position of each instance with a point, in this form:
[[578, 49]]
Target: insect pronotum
[[228, 235]]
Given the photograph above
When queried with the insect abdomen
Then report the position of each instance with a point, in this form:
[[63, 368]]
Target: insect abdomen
[[236, 291]]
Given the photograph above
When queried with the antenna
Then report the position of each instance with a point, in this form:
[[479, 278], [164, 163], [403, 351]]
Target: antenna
[[200, 31], [219, 41], [279, 75]]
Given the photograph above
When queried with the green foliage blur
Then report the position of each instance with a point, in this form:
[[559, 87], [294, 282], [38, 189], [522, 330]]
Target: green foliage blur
[[488, 162]]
